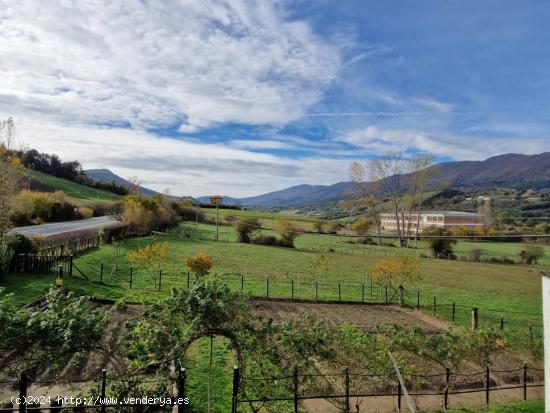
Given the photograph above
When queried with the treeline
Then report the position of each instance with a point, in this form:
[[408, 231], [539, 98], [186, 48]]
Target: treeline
[[72, 171]]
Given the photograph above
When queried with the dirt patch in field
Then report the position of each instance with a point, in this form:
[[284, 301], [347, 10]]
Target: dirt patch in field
[[364, 317]]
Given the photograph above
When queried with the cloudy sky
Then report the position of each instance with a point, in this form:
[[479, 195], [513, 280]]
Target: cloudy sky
[[241, 98]]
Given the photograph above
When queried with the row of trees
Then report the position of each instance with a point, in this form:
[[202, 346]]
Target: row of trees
[[247, 229], [399, 181]]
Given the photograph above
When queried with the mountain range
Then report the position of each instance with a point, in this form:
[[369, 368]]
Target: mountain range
[[506, 171]]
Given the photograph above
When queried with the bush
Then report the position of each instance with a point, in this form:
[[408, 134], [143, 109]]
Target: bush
[[441, 247], [335, 227], [265, 240], [86, 212], [6, 256], [531, 254], [319, 226], [476, 254], [361, 225], [20, 244], [245, 228], [101, 209], [200, 264], [288, 232]]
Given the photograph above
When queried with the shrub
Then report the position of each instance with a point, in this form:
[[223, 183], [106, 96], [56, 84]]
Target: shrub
[[86, 212], [62, 211], [200, 264], [396, 270], [20, 244], [288, 232], [100, 209], [245, 227], [230, 219], [361, 225], [120, 304], [150, 257], [476, 254], [6, 256], [531, 254], [441, 247], [335, 226], [265, 240], [319, 226]]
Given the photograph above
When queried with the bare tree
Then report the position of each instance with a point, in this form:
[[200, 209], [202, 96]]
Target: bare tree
[[7, 133], [11, 179], [365, 194]]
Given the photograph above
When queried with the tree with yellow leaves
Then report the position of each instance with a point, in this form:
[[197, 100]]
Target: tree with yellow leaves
[[150, 258], [200, 264], [400, 269]]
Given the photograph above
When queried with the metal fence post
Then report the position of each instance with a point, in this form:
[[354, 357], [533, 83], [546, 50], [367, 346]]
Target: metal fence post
[[131, 276], [101, 273], [316, 291], [418, 300], [188, 279], [435, 306], [525, 381], [339, 292], [362, 293], [447, 380], [71, 265], [295, 389], [487, 385], [454, 311], [501, 323], [399, 395], [347, 406], [292, 288], [474, 319], [181, 389], [386, 289], [160, 279], [22, 393], [235, 389], [242, 282], [267, 287], [103, 389]]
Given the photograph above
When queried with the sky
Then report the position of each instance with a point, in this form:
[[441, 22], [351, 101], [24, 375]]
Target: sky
[[245, 97]]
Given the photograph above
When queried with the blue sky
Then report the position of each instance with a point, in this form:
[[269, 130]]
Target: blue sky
[[241, 98]]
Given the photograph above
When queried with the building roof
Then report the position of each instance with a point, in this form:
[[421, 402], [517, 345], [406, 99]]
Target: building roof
[[441, 212]]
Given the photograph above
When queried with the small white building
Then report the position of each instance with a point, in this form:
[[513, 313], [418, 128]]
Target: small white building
[[438, 219]]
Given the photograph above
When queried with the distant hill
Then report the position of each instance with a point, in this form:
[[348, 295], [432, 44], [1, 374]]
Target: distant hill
[[40, 181], [106, 175], [507, 171]]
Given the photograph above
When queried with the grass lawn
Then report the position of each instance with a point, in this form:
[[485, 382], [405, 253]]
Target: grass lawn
[[536, 406], [509, 291], [73, 189]]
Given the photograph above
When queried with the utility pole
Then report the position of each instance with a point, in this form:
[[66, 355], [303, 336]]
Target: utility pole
[[217, 221], [546, 318]]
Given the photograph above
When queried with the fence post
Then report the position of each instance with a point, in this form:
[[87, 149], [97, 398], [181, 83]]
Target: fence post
[[22, 393], [401, 296], [188, 279], [160, 279], [103, 389], [242, 282], [501, 323], [454, 311], [292, 288], [447, 380], [60, 272], [316, 291], [435, 306], [524, 381], [398, 395], [235, 389], [295, 389], [101, 273], [418, 300], [474, 319], [71, 265], [131, 276], [347, 407], [339, 292], [267, 287], [386, 289], [362, 293], [181, 389], [531, 333], [487, 385]]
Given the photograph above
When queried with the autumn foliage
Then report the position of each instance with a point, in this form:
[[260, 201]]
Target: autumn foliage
[[200, 263], [397, 270]]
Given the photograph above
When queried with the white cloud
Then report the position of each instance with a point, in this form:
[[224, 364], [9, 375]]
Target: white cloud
[[187, 168], [155, 63], [378, 140], [435, 105]]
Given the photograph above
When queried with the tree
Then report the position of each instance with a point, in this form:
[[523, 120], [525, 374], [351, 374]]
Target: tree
[[361, 225], [530, 254], [11, 180], [150, 258], [200, 264], [287, 230], [8, 133], [135, 215], [245, 228], [319, 225], [400, 269], [366, 194], [440, 247]]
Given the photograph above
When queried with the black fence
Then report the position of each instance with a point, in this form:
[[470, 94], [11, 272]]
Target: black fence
[[42, 264], [282, 394]]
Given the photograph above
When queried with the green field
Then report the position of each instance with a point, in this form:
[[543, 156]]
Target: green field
[[509, 291], [524, 407], [73, 189]]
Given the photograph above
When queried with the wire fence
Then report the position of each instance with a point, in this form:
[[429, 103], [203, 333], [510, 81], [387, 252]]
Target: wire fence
[[282, 394]]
